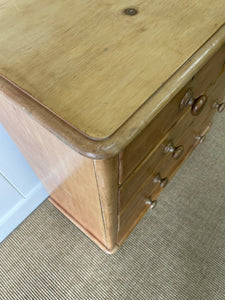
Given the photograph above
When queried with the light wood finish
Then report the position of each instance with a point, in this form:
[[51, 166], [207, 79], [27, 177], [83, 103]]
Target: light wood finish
[[106, 172], [158, 156], [137, 150], [134, 125], [87, 70], [92, 237], [136, 210], [130, 217], [92, 95], [69, 177], [145, 142], [217, 91]]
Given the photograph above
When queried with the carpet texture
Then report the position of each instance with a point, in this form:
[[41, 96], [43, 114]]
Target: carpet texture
[[175, 252]]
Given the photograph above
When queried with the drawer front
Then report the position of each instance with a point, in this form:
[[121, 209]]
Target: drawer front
[[132, 215], [181, 138], [136, 208], [216, 93], [135, 152]]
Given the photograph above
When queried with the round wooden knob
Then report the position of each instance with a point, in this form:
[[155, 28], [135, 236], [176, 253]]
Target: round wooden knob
[[176, 151], [152, 204], [188, 99], [198, 105], [219, 106], [162, 181]]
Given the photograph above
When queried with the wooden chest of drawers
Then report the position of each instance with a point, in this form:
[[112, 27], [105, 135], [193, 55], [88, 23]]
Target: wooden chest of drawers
[[108, 102]]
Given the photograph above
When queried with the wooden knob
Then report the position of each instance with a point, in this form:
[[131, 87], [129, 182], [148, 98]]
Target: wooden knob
[[152, 204], [201, 138], [219, 106], [197, 105], [162, 181], [176, 151], [187, 99]]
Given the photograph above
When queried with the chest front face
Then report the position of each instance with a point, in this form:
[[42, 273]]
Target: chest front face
[[151, 160]]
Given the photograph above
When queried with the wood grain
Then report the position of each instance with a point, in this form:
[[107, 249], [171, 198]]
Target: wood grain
[[156, 156], [68, 176], [91, 64], [133, 126], [106, 172], [137, 150], [217, 91], [81, 80], [129, 217]]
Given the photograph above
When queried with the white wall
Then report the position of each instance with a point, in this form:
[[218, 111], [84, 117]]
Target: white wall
[[20, 190]]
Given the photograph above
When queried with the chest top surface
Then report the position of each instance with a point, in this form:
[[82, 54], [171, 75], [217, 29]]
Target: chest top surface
[[93, 65]]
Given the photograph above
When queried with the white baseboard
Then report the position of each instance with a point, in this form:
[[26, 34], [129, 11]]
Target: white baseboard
[[21, 210]]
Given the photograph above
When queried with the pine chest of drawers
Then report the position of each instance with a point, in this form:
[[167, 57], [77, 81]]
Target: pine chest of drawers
[[106, 100]]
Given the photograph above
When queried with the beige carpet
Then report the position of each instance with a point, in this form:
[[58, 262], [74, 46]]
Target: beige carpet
[[176, 251]]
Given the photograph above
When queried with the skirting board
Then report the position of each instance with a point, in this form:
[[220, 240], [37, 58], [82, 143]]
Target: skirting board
[[22, 208]]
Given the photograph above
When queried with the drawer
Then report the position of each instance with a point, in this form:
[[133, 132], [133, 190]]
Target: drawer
[[157, 156], [133, 214], [216, 93], [136, 208], [136, 151]]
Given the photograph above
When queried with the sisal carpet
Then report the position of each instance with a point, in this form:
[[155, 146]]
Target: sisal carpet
[[176, 251]]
